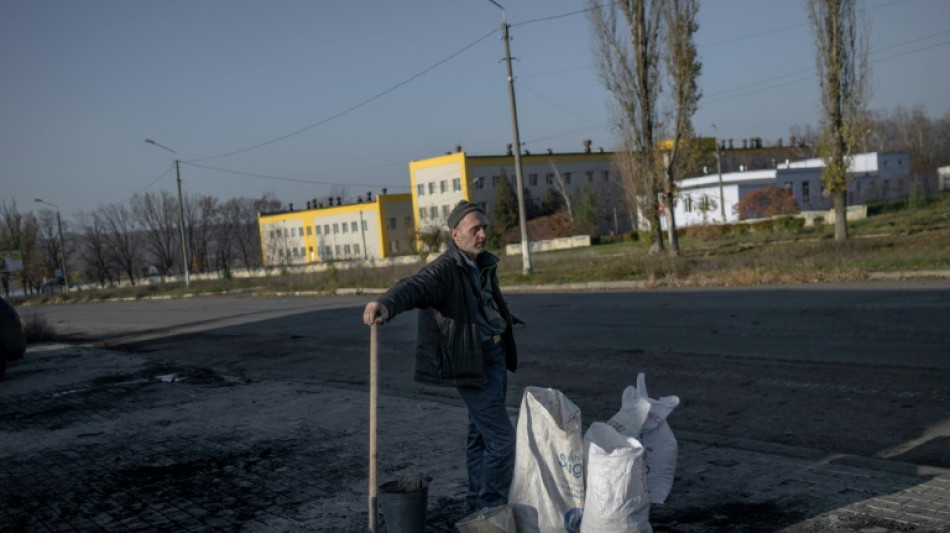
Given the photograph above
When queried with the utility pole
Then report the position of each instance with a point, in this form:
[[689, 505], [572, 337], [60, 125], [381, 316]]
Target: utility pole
[[722, 200], [181, 214], [519, 180]]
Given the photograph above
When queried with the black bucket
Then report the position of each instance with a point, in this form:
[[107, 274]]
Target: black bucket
[[404, 505]]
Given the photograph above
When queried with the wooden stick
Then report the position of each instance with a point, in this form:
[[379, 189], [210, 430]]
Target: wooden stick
[[373, 396]]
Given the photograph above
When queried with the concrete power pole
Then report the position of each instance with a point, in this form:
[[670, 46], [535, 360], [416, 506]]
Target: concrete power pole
[[519, 180]]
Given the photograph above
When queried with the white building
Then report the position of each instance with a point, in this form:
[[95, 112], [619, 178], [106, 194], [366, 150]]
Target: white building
[[872, 177]]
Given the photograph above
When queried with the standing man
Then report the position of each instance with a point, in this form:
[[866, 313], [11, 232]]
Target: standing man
[[465, 340]]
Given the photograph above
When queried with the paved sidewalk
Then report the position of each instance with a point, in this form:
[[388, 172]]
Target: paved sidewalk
[[92, 440]]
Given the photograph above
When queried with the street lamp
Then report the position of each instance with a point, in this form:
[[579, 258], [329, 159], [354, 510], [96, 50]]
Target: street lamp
[[62, 245], [519, 181], [181, 213], [722, 205]]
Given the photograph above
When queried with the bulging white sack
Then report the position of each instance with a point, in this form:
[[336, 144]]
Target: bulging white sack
[[644, 418], [547, 489], [616, 499]]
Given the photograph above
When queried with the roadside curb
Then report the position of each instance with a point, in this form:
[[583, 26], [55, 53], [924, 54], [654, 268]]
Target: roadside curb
[[813, 454]]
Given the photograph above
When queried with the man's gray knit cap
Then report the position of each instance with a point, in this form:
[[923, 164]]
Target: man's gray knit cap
[[461, 209]]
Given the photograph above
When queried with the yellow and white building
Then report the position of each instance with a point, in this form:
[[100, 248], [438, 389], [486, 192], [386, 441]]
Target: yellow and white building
[[377, 229], [439, 183]]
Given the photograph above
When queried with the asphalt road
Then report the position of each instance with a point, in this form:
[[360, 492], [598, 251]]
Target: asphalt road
[[851, 368]]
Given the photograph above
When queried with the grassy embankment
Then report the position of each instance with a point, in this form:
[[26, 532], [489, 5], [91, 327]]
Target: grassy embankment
[[896, 240]]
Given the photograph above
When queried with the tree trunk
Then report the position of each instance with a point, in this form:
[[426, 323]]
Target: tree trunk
[[841, 212]]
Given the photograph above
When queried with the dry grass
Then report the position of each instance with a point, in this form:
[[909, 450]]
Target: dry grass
[[899, 240], [37, 329]]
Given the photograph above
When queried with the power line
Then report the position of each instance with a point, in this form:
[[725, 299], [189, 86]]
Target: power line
[[154, 181], [353, 107], [282, 178]]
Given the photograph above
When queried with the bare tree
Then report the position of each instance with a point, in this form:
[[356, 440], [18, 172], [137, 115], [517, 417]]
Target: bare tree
[[48, 241], [157, 216], [842, 62], [121, 234], [562, 189], [682, 68], [94, 248], [629, 64], [18, 231]]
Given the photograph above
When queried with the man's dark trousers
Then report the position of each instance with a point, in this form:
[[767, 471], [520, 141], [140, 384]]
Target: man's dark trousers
[[490, 455]]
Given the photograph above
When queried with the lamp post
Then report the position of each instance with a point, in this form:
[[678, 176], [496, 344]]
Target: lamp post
[[519, 181], [181, 213], [62, 244], [722, 205]]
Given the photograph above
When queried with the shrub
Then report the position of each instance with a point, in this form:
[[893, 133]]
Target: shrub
[[767, 202], [38, 329]]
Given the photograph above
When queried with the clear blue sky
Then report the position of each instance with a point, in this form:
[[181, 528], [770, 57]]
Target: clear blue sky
[[350, 91]]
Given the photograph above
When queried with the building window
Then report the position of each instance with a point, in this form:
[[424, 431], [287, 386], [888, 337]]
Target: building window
[[309, 231], [329, 251], [457, 184], [336, 229], [303, 252], [336, 250], [533, 180], [392, 223], [422, 213], [494, 181], [445, 211], [788, 188], [295, 252], [316, 228], [431, 188], [326, 229], [480, 183], [293, 232], [433, 212], [606, 175], [806, 193], [409, 222], [364, 224], [344, 227], [356, 249], [286, 233], [443, 186], [420, 190], [346, 249], [688, 204], [280, 252], [300, 231], [567, 178], [272, 234]]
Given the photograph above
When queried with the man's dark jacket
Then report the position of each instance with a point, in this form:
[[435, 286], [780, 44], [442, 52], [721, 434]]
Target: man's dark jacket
[[448, 343]]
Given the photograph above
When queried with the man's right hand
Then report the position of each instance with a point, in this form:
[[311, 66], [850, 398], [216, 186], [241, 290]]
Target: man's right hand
[[375, 313]]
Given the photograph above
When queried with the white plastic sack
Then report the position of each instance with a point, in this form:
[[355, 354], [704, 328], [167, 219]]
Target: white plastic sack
[[616, 499], [654, 433], [547, 490]]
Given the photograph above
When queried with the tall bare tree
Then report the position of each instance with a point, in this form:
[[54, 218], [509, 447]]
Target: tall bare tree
[[682, 68], [157, 216], [841, 48], [122, 238], [642, 44], [94, 248]]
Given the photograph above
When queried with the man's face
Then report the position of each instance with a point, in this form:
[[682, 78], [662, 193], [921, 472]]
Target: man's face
[[470, 234]]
